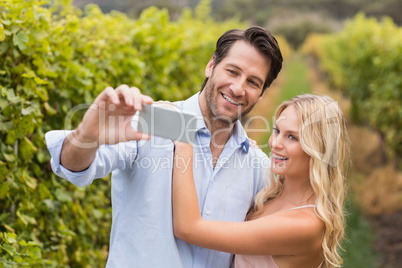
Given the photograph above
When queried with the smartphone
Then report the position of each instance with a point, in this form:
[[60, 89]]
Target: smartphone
[[167, 122]]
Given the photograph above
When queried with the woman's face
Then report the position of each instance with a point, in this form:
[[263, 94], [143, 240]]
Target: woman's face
[[288, 157]]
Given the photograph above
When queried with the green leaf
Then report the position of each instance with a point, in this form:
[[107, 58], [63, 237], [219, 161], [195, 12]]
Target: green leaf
[[29, 74], [40, 81], [11, 137], [4, 188], [10, 237], [49, 110], [30, 181], [25, 218], [9, 249], [3, 103], [9, 157], [34, 252], [28, 244], [6, 22], [43, 156], [50, 204], [63, 196], [3, 169], [25, 126], [5, 126], [27, 110], [20, 40], [26, 149], [43, 191], [1, 32], [12, 98]]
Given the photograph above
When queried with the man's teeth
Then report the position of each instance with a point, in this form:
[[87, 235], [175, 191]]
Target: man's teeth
[[230, 100], [279, 157]]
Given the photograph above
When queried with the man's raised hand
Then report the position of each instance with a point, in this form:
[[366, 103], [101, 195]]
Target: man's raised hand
[[108, 119]]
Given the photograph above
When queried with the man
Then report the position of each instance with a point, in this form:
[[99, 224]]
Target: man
[[228, 171]]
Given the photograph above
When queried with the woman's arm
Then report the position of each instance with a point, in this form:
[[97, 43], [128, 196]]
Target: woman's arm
[[186, 211], [282, 233]]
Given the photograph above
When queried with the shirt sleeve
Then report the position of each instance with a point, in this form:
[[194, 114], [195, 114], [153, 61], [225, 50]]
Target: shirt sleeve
[[107, 159]]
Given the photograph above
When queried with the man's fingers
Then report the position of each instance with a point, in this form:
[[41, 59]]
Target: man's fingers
[[132, 96], [108, 94], [147, 99], [135, 135], [125, 93], [137, 98]]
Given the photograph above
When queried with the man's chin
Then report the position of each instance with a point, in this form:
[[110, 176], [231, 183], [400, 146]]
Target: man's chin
[[229, 118]]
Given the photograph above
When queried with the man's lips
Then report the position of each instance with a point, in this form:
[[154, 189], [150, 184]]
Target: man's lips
[[230, 100]]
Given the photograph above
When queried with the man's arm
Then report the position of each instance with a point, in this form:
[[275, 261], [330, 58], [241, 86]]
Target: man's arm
[[107, 121]]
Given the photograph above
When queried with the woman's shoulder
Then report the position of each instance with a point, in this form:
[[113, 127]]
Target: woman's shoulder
[[303, 221], [304, 216]]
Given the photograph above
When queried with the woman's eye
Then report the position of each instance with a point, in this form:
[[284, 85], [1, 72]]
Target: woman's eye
[[293, 138], [275, 130]]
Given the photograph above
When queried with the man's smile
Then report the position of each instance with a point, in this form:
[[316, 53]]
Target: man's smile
[[231, 100]]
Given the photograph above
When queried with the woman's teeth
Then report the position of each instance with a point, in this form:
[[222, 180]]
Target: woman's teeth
[[278, 157]]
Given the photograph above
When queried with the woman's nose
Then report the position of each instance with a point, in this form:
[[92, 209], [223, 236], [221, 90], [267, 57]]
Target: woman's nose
[[276, 142]]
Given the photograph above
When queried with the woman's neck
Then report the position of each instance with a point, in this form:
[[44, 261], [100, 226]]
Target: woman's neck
[[297, 192]]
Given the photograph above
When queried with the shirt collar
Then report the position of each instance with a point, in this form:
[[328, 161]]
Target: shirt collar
[[192, 105], [239, 136]]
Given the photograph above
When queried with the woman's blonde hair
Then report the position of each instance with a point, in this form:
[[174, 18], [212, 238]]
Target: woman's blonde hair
[[323, 136]]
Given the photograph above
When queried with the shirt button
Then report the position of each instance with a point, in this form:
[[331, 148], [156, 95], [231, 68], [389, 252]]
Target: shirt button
[[205, 150], [207, 212]]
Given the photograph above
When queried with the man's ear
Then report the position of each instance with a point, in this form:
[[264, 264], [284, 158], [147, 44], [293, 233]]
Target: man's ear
[[261, 96], [209, 67]]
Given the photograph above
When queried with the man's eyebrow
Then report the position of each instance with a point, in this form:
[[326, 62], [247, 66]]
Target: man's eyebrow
[[238, 68]]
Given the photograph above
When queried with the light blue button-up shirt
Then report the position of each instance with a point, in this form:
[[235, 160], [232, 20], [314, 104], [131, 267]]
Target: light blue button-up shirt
[[142, 234]]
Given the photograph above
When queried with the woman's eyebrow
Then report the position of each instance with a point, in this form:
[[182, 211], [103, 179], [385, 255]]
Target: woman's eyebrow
[[295, 132]]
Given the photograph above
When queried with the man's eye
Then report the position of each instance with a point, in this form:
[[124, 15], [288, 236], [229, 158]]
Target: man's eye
[[253, 83]]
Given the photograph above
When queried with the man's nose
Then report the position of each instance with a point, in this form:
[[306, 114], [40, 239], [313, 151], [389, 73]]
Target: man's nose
[[238, 87]]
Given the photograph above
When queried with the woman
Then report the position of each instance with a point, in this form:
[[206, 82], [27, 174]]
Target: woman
[[296, 221]]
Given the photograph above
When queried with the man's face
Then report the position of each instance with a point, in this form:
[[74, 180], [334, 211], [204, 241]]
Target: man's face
[[235, 85]]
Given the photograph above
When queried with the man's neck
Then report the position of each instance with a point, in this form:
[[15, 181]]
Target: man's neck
[[220, 134]]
